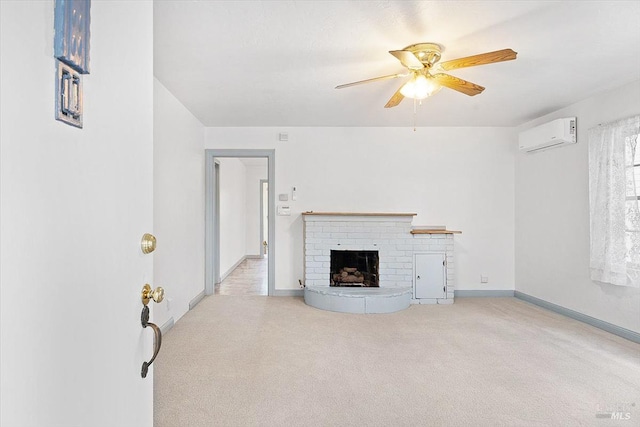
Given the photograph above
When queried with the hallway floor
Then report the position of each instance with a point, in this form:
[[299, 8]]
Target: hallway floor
[[249, 278]]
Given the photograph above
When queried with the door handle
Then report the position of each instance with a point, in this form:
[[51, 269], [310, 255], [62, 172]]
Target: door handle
[[156, 295], [157, 340], [149, 294]]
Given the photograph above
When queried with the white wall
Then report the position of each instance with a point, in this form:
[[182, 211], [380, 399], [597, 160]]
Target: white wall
[[552, 218], [254, 239], [73, 207], [178, 157], [459, 177], [233, 213]]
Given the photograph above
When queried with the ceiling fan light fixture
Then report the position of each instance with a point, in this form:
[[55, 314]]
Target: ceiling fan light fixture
[[420, 87]]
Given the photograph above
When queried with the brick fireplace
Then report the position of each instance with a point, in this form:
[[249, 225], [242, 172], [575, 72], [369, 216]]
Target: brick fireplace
[[387, 234], [373, 256]]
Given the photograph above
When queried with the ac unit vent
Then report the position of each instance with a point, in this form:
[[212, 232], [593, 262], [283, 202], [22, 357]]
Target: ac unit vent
[[553, 134]]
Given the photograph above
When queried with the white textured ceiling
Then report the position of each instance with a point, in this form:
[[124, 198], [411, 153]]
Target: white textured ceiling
[[276, 63]]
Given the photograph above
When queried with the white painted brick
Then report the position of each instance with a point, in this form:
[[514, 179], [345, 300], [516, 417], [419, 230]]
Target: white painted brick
[[346, 241], [397, 253], [390, 237]]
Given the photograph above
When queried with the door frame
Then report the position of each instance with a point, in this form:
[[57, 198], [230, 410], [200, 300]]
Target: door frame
[[262, 182], [212, 214]]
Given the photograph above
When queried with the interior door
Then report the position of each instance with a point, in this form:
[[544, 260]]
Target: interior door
[[430, 275]]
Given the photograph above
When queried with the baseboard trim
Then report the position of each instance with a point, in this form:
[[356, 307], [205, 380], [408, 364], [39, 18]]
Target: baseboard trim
[[289, 293], [483, 293], [167, 326], [196, 300], [600, 324], [233, 267]]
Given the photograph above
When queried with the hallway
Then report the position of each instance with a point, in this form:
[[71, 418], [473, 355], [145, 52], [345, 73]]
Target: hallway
[[249, 278]]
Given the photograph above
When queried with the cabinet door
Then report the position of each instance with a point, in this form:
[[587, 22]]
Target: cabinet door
[[429, 276]]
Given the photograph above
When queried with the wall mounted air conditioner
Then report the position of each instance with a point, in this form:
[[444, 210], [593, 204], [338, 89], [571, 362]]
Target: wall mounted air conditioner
[[549, 135]]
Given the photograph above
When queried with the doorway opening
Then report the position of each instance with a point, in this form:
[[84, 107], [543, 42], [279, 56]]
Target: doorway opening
[[239, 241]]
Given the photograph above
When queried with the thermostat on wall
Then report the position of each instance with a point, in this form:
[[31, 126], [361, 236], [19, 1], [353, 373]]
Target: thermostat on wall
[[284, 210], [283, 197]]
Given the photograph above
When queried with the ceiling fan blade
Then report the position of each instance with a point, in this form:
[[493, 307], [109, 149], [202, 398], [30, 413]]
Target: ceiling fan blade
[[375, 79], [408, 59], [481, 59], [395, 99], [460, 85]]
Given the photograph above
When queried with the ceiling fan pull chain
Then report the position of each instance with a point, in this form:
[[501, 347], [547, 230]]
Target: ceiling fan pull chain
[[415, 113]]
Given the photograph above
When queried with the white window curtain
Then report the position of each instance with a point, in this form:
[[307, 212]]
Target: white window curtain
[[613, 202]]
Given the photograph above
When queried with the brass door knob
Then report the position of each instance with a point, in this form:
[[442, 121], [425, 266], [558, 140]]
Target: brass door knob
[[148, 243], [149, 294]]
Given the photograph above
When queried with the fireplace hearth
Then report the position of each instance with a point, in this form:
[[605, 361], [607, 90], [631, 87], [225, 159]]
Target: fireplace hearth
[[354, 268]]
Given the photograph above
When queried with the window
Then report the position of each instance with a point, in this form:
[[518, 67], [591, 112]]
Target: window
[[614, 202], [632, 208]]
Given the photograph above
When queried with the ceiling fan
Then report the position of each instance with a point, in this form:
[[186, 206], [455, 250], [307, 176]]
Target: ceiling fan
[[421, 61]]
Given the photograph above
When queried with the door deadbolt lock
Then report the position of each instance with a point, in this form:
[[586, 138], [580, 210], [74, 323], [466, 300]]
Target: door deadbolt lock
[[148, 243], [149, 294]]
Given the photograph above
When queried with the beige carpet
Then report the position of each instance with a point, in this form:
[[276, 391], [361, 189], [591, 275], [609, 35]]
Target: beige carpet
[[269, 361]]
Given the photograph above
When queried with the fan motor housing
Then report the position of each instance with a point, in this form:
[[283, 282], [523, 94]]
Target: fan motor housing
[[427, 53]]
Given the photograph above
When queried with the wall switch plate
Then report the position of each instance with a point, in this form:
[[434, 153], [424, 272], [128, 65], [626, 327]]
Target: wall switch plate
[[484, 279], [283, 136], [283, 197], [68, 95]]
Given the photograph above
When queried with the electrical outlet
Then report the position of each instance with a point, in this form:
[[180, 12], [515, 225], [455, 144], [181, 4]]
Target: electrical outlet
[[484, 279]]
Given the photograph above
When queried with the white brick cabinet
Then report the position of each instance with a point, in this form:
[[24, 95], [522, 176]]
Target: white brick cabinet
[[430, 279]]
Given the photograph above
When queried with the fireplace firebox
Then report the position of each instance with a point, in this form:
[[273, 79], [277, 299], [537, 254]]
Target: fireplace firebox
[[354, 268]]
